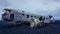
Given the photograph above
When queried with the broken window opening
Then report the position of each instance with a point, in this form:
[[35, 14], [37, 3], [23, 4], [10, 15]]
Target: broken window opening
[[27, 16], [23, 14], [31, 16]]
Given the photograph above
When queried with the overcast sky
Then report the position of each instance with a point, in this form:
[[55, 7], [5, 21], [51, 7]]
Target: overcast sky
[[34, 6]]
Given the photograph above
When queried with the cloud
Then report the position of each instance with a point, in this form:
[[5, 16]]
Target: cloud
[[38, 6], [34, 6]]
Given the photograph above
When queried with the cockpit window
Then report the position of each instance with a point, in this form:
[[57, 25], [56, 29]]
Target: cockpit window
[[7, 10]]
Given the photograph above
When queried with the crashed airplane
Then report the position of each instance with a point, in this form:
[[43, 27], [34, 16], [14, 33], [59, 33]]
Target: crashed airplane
[[19, 17]]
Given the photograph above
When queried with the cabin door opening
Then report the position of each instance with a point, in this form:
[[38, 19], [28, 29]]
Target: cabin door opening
[[12, 16]]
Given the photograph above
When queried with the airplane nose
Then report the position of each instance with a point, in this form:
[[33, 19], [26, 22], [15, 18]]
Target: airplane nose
[[3, 16]]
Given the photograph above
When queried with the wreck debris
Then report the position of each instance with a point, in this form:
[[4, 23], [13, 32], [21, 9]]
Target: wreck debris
[[22, 16]]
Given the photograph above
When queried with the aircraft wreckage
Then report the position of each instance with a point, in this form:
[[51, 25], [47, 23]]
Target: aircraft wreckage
[[18, 17]]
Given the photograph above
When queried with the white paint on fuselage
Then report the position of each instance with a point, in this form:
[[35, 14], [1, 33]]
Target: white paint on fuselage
[[19, 17]]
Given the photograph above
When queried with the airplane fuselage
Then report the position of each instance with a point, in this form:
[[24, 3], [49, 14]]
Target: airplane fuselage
[[14, 15]]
